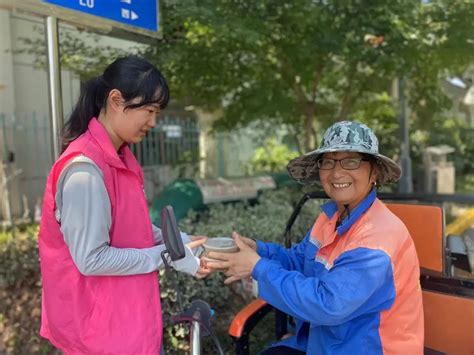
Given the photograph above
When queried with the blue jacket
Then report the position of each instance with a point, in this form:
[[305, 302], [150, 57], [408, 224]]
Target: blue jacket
[[352, 289]]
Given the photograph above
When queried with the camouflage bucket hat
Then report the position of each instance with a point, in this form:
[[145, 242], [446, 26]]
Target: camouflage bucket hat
[[344, 136]]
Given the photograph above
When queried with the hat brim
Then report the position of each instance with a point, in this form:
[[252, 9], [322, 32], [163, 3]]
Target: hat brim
[[303, 169]]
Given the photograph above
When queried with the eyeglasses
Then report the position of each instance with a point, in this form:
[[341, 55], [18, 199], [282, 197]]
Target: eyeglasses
[[346, 163]]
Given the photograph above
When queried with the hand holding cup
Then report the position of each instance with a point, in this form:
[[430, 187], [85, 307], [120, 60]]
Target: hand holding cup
[[238, 264]]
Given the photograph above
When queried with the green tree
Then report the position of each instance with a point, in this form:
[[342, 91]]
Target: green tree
[[272, 157], [81, 52], [303, 63], [308, 62]]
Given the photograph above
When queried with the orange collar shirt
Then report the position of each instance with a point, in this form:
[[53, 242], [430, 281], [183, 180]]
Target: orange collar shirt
[[352, 288]]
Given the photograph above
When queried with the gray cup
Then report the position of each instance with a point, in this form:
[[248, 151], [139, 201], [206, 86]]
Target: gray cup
[[219, 245]]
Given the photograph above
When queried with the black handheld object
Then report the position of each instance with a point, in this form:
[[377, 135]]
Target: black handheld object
[[199, 313], [171, 236]]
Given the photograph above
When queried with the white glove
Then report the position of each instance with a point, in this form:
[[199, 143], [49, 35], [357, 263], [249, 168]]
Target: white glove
[[196, 251], [189, 264]]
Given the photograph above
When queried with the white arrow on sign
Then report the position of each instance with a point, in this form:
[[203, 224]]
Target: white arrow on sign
[[126, 1], [125, 13]]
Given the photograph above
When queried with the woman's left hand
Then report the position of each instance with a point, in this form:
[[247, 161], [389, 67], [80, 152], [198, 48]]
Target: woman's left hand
[[238, 265], [196, 242]]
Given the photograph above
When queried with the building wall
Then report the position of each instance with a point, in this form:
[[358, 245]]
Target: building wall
[[7, 98]]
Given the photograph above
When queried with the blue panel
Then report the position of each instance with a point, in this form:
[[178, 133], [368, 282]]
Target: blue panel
[[137, 13]]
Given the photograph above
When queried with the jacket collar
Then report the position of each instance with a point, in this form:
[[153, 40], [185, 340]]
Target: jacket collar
[[330, 208], [102, 138]]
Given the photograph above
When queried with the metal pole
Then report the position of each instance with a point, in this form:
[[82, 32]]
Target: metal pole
[[5, 193], [195, 338], [406, 183], [54, 81]]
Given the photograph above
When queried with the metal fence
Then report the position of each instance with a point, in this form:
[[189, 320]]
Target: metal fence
[[26, 155], [172, 141], [26, 160]]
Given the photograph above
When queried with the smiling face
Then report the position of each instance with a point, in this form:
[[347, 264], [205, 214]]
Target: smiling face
[[127, 125], [347, 186]]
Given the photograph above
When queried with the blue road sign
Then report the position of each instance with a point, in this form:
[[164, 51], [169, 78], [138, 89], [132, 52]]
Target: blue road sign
[[137, 13]]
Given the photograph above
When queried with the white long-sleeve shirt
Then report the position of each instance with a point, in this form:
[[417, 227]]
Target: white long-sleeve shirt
[[84, 213]]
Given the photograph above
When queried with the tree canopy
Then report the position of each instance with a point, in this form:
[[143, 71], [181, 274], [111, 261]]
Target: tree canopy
[[305, 63], [309, 62]]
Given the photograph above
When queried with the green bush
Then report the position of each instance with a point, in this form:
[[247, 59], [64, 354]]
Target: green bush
[[272, 157], [20, 287], [465, 184], [265, 220], [20, 292]]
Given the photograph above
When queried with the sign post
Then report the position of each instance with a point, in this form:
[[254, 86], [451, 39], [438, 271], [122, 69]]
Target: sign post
[[128, 19], [54, 84], [406, 182]]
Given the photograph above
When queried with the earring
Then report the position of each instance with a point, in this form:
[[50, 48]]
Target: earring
[[374, 183]]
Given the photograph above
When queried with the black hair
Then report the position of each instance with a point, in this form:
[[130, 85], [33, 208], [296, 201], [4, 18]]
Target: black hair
[[133, 76], [374, 163], [370, 158]]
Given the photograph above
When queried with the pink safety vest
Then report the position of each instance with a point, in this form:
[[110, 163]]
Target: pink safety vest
[[100, 314]]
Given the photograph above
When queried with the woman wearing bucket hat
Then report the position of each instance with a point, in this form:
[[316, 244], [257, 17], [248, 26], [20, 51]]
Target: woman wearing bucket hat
[[352, 284]]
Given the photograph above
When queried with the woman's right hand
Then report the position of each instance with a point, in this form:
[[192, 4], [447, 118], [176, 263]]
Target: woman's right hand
[[203, 270]]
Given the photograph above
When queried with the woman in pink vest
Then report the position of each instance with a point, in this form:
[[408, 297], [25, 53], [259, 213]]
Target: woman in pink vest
[[99, 251]]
